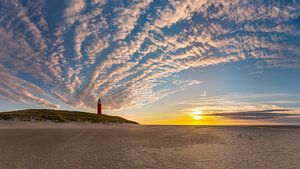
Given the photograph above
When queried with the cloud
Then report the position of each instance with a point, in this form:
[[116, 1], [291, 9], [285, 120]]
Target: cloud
[[22, 50], [16, 89], [123, 66], [73, 10], [177, 11], [203, 94], [256, 115], [127, 18], [132, 55], [263, 106]]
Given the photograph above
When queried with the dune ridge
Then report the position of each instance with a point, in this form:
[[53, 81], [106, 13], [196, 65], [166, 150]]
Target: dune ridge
[[60, 116]]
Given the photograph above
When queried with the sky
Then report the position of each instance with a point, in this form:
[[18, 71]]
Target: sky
[[210, 62]]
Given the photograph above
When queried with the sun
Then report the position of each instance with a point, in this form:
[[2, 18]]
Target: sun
[[197, 115]]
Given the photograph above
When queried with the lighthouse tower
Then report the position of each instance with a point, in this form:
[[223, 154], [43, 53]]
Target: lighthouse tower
[[99, 107]]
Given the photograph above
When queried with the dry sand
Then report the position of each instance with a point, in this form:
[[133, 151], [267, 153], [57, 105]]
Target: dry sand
[[48, 145]]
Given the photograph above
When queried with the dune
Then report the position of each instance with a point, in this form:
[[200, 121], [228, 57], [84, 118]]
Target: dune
[[60, 116]]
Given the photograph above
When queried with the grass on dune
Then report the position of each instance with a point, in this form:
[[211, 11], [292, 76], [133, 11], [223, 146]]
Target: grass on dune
[[60, 116]]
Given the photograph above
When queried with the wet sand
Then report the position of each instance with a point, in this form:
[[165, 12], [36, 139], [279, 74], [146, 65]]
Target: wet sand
[[135, 147]]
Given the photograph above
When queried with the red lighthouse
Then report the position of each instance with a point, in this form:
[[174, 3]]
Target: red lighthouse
[[99, 107]]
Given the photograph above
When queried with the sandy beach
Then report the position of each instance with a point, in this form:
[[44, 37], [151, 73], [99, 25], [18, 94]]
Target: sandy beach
[[49, 145]]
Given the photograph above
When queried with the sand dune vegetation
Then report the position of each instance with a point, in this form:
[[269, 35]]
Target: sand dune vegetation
[[60, 116]]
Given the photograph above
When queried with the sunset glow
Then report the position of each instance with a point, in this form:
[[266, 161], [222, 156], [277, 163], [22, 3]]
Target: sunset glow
[[197, 115]]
